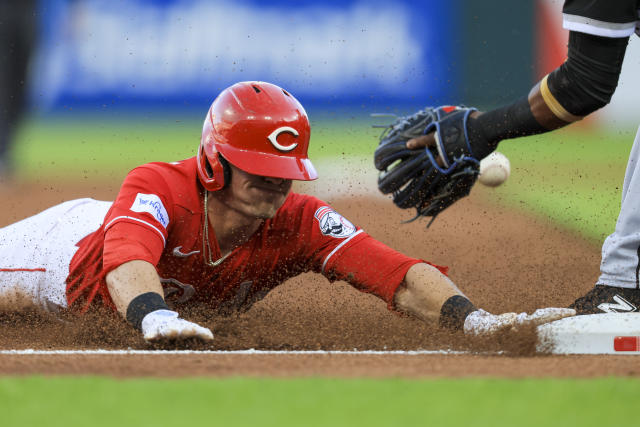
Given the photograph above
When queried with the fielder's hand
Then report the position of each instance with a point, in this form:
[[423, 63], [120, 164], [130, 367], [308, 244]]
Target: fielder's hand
[[453, 135], [166, 325], [481, 322]]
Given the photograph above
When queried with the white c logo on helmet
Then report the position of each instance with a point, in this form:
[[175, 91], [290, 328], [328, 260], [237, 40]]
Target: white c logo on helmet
[[274, 135]]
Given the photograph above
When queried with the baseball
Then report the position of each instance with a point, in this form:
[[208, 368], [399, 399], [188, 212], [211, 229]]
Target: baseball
[[494, 169]]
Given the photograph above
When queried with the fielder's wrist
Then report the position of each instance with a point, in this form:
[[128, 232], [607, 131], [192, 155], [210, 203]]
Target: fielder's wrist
[[512, 121], [142, 305]]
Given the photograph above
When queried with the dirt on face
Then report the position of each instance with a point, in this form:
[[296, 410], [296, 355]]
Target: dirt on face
[[501, 259]]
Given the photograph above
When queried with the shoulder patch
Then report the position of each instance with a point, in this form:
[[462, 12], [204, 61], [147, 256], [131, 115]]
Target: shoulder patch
[[151, 204], [333, 224]]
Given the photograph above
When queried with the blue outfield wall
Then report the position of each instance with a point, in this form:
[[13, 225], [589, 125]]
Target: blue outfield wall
[[168, 54]]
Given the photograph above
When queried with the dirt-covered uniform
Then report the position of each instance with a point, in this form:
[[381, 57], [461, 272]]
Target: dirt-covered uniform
[[158, 217]]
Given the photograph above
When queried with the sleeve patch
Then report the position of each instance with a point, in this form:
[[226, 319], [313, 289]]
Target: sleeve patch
[[333, 224], [151, 204]]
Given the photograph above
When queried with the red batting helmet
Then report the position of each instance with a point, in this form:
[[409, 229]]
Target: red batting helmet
[[259, 128]]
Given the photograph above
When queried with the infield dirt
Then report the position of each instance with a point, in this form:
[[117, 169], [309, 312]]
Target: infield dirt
[[502, 259]]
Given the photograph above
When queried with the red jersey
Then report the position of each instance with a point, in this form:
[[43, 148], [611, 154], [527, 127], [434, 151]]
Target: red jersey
[[158, 216]]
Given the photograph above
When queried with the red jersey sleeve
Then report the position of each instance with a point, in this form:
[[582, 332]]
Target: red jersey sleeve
[[371, 266], [138, 223], [125, 241], [342, 251]]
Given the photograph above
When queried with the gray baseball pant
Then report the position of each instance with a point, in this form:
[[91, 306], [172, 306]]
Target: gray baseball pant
[[620, 264]]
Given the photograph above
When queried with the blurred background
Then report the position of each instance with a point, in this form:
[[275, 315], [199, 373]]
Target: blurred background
[[150, 55], [95, 87]]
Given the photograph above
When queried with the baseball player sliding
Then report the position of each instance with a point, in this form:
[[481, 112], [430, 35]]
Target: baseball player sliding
[[222, 228]]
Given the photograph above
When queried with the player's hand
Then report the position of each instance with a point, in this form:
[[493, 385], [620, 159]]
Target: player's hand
[[481, 322], [422, 141], [543, 315], [429, 140], [163, 325]]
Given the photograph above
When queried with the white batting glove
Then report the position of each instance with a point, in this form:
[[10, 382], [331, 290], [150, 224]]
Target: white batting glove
[[544, 315], [165, 324], [481, 322]]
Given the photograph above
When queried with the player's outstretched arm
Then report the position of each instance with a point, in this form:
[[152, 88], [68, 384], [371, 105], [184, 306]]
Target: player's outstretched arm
[[424, 291], [429, 295], [137, 294], [583, 84]]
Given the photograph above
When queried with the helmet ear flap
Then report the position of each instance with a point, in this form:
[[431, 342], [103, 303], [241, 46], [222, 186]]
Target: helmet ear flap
[[226, 170], [214, 172]]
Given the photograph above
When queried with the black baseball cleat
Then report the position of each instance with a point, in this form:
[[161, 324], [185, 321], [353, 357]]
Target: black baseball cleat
[[608, 299]]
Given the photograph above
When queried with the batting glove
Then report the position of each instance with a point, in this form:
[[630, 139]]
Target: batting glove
[[166, 325], [481, 322], [544, 315]]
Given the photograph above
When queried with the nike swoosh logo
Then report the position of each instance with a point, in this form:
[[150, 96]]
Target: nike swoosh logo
[[178, 253]]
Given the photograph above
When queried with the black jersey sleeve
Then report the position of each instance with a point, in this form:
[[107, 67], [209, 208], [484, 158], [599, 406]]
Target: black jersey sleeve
[[606, 18]]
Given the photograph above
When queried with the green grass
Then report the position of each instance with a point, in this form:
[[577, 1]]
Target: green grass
[[573, 177], [88, 147], [93, 401], [71, 149]]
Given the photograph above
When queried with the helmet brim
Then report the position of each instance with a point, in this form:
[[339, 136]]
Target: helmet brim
[[265, 164]]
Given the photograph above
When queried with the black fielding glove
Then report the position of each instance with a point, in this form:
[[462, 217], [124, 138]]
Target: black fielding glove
[[458, 135], [414, 177]]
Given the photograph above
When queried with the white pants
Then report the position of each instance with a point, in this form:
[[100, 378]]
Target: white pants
[[35, 253]]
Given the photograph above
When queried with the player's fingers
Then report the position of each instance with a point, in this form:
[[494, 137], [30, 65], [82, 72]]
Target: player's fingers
[[178, 330], [186, 330], [191, 330], [204, 334], [152, 336], [502, 322], [481, 323], [422, 141], [161, 333], [545, 315]]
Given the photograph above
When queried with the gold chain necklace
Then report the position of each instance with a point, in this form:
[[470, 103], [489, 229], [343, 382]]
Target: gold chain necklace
[[206, 248]]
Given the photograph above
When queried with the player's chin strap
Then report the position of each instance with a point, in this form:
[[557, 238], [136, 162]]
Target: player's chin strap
[[206, 248]]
